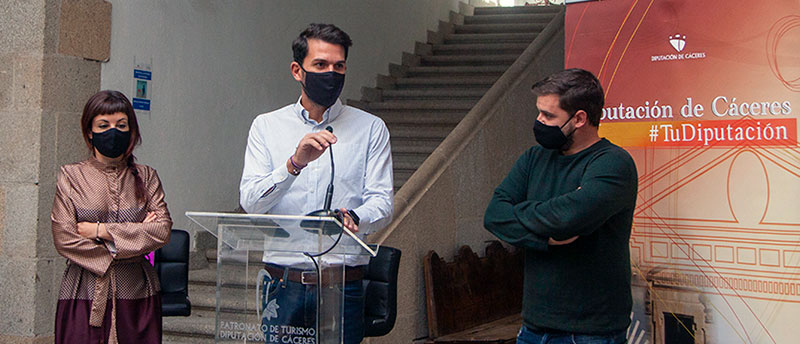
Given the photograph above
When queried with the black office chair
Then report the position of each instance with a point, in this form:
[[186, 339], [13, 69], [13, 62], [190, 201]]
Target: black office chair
[[380, 292], [172, 266]]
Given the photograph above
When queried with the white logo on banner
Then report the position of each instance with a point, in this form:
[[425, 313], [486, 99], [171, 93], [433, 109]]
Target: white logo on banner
[[678, 42], [271, 311]]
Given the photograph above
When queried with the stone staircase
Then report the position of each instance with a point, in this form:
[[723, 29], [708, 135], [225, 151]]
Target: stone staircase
[[421, 101], [426, 96]]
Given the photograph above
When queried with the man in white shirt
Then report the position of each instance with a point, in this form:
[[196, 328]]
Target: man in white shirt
[[283, 174]]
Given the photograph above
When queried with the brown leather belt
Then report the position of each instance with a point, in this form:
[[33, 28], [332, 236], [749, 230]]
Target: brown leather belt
[[329, 275]]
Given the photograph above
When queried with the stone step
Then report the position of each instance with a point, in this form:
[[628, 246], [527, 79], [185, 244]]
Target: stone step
[[479, 48], [204, 298], [181, 339], [177, 339], [410, 157], [254, 257], [468, 60], [421, 119], [481, 11], [420, 133], [197, 328], [465, 38], [408, 162], [234, 276], [500, 28], [535, 17], [473, 94], [449, 71], [400, 178], [419, 149], [444, 82], [398, 183], [414, 105], [426, 118], [414, 145]]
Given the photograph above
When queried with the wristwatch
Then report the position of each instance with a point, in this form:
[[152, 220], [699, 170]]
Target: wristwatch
[[353, 215]]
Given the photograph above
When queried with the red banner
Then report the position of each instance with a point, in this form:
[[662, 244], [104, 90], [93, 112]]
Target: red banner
[[705, 95]]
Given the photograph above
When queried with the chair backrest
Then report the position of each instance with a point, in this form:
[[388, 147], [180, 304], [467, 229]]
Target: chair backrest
[[380, 292], [172, 266], [471, 290]]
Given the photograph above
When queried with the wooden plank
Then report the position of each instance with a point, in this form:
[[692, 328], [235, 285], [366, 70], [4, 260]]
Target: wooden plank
[[431, 259], [499, 331]]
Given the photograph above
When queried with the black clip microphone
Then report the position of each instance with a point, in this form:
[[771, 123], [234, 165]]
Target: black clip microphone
[[328, 229]]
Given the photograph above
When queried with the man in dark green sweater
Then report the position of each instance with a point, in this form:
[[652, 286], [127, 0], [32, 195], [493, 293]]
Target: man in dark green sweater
[[569, 204]]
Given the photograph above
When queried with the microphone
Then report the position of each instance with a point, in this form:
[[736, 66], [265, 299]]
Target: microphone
[[329, 193], [328, 228]]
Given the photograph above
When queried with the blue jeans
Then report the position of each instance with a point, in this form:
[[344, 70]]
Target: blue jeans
[[289, 309], [526, 336]]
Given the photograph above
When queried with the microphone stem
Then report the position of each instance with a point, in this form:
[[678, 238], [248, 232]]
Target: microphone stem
[[330, 150], [329, 193]]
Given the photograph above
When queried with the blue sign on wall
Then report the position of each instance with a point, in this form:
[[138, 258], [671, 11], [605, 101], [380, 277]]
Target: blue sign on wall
[[142, 79], [142, 74], [141, 104]]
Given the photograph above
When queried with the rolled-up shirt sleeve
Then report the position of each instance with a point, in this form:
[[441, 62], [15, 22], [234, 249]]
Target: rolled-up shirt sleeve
[[376, 211], [262, 184]]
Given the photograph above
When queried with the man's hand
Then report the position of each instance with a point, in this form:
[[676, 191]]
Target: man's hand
[[348, 221], [311, 146], [551, 241]]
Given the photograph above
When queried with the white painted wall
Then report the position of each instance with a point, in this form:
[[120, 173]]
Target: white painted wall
[[217, 65]]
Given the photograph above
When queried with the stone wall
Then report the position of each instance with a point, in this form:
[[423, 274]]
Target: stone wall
[[49, 67]]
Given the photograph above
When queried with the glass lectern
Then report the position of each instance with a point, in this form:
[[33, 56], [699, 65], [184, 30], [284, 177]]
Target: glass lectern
[[244, 311]]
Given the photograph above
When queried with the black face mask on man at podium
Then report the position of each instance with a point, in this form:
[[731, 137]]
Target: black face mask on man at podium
[[323, 88], [328, 228]]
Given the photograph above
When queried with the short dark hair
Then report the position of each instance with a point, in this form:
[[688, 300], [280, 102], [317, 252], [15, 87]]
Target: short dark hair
[[109, 102], [325, 32], [577, 89]]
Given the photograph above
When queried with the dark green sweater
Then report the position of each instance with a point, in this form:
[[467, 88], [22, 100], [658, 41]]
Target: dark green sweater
[[583, 287]]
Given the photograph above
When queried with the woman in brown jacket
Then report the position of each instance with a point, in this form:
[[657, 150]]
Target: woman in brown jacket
[[108, 213]]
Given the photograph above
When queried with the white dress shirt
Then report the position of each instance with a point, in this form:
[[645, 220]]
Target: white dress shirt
[[363, 170]]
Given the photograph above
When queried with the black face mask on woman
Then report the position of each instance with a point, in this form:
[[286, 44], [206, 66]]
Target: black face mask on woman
[[323, 88], [551, 136], [112, 142]]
